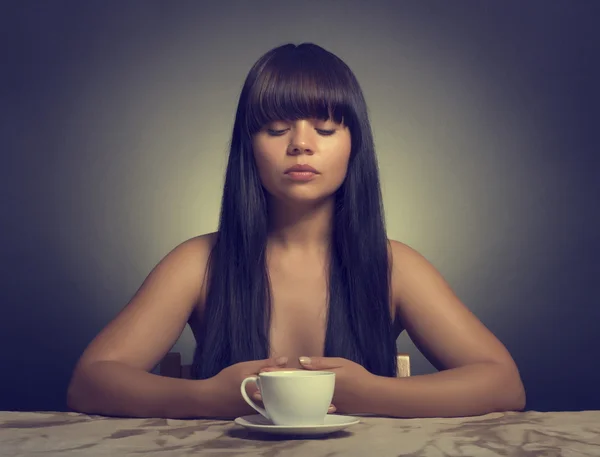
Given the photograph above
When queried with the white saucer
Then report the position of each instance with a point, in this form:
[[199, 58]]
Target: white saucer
[[333, 423]]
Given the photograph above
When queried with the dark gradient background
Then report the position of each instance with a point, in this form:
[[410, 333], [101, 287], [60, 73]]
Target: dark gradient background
[[115, 120]]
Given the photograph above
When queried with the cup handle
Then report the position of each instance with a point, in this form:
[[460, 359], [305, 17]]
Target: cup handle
[[249, 400]]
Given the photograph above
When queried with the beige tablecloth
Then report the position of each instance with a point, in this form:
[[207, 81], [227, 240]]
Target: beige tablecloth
[[509, 434]]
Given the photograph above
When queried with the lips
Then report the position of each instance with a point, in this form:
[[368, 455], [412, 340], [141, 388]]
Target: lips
[[299, 168]]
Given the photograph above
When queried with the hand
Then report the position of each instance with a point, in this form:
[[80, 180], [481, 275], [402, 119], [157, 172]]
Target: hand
[[228, 381], [351, 380]]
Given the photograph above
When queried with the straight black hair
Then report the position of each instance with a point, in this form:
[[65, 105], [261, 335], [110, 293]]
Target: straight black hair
[[288, 83]]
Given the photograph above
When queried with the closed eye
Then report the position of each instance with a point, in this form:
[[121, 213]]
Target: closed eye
[[276, 132], [325, 132], [273, 132]]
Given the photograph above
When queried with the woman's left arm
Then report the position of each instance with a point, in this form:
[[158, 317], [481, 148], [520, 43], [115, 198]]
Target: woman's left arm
[[477, 374]]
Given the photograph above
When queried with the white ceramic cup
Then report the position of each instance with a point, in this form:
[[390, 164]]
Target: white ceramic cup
[[293, 397]]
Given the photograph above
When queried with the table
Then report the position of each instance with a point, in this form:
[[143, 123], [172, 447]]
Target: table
[[499, 434]]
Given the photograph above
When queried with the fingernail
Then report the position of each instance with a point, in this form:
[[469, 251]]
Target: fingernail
[[305, 360], [281, 360]]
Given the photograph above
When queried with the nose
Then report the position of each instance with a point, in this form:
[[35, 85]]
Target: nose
[[300, 142]]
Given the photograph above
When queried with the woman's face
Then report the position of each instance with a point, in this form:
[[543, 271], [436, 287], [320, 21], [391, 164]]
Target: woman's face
[[323, 145]]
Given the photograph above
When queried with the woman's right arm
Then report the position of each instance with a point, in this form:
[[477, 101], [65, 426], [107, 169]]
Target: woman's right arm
[[113, 377]]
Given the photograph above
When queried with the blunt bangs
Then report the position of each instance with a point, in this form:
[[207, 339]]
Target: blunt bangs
[[300, 82]]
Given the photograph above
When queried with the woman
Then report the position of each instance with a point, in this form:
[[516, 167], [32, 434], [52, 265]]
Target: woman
[[300, 274]]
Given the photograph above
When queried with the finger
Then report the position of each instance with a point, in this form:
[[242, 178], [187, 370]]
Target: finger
[[278, 362], [251, 389], [320, 363], [257, 398], [268, 369], [332, 409], [257, 365]]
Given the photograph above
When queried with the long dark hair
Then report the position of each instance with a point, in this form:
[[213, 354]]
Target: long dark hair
[[289, 83]]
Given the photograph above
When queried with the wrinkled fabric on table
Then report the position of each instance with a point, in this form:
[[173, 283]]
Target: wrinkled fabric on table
[[530, 433]]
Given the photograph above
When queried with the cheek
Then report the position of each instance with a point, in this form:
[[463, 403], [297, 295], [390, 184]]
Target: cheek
[[266, 167], [339, 163]]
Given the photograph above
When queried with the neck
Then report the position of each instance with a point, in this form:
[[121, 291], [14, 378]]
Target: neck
[[300, 228]]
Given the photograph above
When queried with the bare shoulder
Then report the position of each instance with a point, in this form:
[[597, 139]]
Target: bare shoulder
[[195, 250], [408, 264], [401, 252], [198, 245], [193, 256], [188, 261], [439, 323], [415, 281], [154, 318]]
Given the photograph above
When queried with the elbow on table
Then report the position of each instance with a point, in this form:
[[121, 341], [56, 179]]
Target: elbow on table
[[520, 400], [513, 396], [73, 399], [515, 400], [77, 400]]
